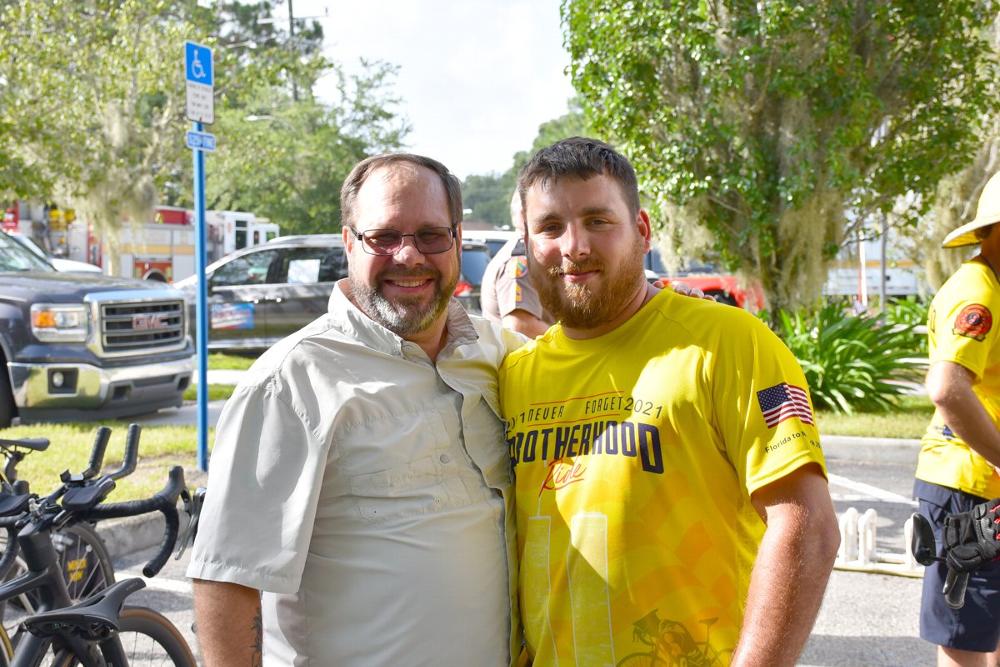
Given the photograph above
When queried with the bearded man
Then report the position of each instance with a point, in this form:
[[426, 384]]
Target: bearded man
[[671, 494], [359, 505]]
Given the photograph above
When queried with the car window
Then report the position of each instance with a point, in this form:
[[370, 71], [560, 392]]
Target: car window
[[655, 263], [250, 269], [495, 244], [474, 261], [305, 266], [13, 257]]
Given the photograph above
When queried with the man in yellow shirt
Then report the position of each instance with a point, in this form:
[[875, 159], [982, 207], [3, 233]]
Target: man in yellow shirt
[[672, 506], [956, 469]]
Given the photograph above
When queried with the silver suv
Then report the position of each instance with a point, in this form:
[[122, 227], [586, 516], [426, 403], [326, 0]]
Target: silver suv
[[259, 295]]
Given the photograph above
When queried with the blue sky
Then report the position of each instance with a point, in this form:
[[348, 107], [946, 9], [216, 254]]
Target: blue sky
[[476, 78]]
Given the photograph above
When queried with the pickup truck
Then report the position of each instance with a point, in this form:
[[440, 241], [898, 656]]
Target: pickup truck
[[86, 346]]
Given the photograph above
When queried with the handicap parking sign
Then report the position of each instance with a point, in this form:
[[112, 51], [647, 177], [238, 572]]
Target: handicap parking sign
[[198, 63], [200, 80]]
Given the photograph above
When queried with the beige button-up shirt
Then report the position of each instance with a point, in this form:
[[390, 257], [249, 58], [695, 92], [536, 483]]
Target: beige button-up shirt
[[367, 491]]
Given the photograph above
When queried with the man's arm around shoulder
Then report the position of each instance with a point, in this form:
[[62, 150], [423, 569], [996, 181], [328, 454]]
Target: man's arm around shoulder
[[230, 628], [792, 567]]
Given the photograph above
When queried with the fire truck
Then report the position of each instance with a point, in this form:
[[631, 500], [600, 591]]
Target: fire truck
[[164, 249]]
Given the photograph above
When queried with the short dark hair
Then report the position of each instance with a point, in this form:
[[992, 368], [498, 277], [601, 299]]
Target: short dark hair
[[581, 158], [983, 232], [358, 176]]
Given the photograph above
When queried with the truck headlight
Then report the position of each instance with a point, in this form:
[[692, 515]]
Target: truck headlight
[[59, 323]]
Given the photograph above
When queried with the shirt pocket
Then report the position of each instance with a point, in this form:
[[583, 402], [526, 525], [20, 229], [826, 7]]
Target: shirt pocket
[[417, 488]]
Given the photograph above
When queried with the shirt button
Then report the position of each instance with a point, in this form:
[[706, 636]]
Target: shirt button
[[445, 458]]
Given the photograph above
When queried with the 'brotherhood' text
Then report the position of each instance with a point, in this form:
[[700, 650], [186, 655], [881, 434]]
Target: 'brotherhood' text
[[607, 438]]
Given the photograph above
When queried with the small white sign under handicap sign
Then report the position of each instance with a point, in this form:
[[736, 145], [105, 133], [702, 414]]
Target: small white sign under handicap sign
[[201, 141]]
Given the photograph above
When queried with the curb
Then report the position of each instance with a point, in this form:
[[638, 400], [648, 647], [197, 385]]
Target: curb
[[135, 533]]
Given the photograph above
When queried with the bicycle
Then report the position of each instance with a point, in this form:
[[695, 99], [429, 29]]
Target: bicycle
[[83, 556], [88, 633], [671, 644]]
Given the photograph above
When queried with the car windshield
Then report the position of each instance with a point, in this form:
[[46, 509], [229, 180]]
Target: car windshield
[[13, 257], [474, 261]]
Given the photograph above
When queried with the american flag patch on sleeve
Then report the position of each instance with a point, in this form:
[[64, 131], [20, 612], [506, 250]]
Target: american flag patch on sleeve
[[784, 401]]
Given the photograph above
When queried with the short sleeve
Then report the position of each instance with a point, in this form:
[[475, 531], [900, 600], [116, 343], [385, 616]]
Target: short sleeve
[[772, 430], [263, 487], [964, 331], [515, 291]]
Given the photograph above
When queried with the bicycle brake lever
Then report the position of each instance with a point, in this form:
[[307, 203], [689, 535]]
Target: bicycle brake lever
[[192, 506]]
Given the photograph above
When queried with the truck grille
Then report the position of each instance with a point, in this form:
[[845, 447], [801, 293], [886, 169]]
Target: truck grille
[[141, 325]]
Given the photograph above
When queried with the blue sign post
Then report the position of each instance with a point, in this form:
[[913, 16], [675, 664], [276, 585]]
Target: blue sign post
[[200, 109]]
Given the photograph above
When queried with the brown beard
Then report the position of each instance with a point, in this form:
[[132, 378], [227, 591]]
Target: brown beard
[[580, 306]]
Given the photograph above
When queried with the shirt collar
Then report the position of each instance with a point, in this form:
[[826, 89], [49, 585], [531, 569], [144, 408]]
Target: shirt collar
[[352, 322]]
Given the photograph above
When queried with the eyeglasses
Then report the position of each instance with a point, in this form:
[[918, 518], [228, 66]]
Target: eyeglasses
[[429, 240]]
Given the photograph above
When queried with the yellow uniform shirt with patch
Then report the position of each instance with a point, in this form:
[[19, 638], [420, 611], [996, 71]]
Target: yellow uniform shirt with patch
[[960, 329], [635, 455]]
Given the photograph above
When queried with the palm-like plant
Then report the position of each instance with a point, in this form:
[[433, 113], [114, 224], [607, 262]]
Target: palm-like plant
[[850, 362]]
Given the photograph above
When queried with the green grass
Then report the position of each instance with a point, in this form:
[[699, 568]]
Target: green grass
[[160, 448], [229, 362], [216, 392], [908, 420]]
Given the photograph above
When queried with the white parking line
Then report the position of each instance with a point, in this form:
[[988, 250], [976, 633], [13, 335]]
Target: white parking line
[[864, 491]]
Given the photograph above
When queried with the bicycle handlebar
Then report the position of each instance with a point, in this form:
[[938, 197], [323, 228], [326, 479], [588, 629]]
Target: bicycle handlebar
[[97, 452], [131, 453], [165, 502]]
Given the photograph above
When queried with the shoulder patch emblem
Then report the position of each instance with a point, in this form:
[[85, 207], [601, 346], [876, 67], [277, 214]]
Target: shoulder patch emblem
[[520, 267], [975, 321]]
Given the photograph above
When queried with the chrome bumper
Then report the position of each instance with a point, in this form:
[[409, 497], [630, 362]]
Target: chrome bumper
[[137, 387]]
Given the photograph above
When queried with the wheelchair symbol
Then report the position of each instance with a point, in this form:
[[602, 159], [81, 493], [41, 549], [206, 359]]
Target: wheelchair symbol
[[197, 70]]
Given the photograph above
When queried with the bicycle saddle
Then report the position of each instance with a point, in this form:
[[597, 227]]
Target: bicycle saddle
[[37, 444], [93, 619], [13, 503]]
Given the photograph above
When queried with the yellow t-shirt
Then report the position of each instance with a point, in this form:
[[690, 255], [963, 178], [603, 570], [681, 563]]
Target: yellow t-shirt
[[635, 456], [960, 329]]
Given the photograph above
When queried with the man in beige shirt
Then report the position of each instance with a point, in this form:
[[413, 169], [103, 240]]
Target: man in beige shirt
[[508, 295], [359, 507]]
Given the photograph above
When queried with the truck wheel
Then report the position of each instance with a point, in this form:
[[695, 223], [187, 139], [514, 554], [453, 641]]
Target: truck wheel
[[7, 409]]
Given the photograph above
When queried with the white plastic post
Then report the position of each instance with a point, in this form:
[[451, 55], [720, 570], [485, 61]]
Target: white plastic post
[[866, 536], [848, 536]]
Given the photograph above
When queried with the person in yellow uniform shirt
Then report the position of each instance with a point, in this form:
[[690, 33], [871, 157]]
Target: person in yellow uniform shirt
[[672, 505], [961, 447]]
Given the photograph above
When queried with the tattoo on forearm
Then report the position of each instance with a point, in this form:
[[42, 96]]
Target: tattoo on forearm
[[258, 640]]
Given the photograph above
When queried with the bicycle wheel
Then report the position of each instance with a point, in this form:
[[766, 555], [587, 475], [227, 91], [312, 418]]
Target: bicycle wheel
[[150, 640], [147, 638], [84, 562]]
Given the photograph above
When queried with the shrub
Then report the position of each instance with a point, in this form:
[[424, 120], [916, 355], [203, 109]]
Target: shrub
[[910, 312], [850, 362]]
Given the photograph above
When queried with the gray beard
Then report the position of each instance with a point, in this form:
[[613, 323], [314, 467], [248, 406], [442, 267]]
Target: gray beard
[[402, 318]]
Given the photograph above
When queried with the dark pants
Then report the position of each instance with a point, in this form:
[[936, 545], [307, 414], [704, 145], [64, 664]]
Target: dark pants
[[976, 626]]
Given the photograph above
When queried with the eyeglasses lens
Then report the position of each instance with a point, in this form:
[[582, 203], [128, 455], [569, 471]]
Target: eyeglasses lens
[[429, 241]]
